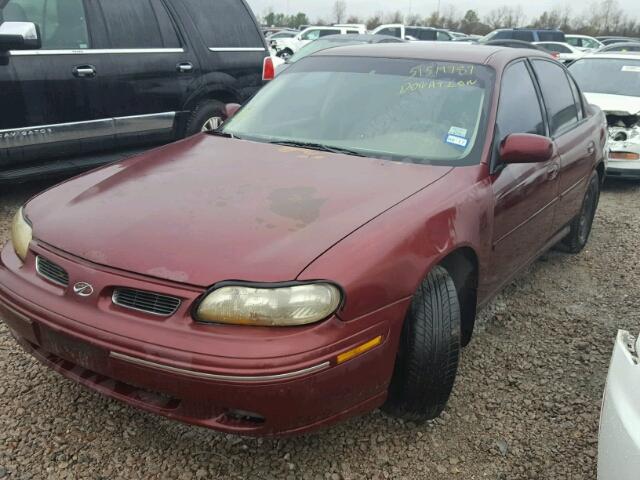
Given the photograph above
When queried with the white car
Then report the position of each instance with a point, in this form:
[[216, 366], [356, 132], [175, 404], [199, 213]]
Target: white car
[[619, 439], [563, 51], [405, 32], [584, 42], [285, 47], [612, 82]]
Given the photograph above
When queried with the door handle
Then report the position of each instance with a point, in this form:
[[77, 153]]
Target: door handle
[[84, 71], [184, 67], [553, 170]]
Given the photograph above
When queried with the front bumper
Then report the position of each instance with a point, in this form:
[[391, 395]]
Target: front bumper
[[619, 440], [246, 380]]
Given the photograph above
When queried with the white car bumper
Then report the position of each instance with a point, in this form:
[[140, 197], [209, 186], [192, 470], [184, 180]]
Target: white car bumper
[[619, 443]]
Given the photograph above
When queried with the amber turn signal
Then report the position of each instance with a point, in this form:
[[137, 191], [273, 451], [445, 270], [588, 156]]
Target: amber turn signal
[[624, 156], [359, 350]]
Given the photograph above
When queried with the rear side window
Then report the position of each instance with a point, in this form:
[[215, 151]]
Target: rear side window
[[62, 23], [524, 35], [519, 110], [558, 96], [392, 31], [326, 33], [138, 24], [225, 23], [551, 36]]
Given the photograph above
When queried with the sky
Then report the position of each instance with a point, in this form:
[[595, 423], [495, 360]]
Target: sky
[[322, 8]]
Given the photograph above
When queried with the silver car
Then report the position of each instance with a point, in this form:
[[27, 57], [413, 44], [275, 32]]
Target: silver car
[[612, 82]]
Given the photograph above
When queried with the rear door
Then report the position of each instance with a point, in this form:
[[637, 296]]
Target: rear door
[[151, 69], [525, 194], [573, 133], [53, 98]]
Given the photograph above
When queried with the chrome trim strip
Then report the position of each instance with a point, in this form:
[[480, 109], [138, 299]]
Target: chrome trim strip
[[237, 49], [94, 51], [106, 127], [49, 279], [213, 376], [114, 300]]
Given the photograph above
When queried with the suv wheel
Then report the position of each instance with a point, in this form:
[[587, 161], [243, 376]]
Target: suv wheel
[[427, 359], [207, 117]]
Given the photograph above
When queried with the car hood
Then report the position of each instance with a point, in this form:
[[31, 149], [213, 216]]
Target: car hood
[[208, 209], [615, 104]]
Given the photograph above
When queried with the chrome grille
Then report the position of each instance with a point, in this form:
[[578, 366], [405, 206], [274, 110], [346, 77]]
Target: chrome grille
[[147, 302], [52, 272]]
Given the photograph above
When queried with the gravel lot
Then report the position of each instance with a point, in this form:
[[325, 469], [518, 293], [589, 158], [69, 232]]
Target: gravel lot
[[525, 405]]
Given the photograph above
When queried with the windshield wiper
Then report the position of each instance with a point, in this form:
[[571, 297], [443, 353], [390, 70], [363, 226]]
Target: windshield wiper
[[318, 146]]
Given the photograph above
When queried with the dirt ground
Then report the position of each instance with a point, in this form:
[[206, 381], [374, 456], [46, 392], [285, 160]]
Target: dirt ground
[[525, 405]]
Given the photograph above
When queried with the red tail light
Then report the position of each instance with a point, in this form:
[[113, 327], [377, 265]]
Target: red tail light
[[268, 70], [555, 55]]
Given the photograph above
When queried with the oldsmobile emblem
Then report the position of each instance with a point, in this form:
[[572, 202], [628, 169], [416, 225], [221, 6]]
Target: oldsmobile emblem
[[83, 289]]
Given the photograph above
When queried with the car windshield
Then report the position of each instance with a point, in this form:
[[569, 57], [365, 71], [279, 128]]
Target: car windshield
[[320, 44], [416, 111], [608, 75]]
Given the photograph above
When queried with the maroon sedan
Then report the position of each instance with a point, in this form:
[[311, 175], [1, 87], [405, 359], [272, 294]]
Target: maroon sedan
[[323, 254]]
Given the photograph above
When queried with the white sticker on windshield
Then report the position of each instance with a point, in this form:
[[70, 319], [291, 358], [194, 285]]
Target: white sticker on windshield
[[631, 68], [457, 141], [459, 132]]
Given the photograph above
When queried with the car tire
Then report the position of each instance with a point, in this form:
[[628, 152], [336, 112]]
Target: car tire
[[581, 225], [427, 359], [206, 116]]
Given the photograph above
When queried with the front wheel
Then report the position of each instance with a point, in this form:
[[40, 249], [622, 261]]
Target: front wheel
[[427, 359], [581, 225]]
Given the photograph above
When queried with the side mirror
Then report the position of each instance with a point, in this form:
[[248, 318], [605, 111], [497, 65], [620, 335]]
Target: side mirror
[[525, 148], [230, 109], [19, 36]]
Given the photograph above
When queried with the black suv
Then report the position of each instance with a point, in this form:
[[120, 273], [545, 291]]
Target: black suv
[[86, 82]]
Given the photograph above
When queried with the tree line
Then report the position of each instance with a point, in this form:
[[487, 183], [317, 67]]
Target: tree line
[[604, 17]]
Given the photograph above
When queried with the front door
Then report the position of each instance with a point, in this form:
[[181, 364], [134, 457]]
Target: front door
[[525, 194], [52, 102]]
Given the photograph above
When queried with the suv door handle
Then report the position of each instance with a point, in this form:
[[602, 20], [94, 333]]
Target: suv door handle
[[184, 67], [84, 71]]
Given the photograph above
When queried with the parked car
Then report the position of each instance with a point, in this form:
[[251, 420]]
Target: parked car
[[302, 265], [525, 35], [561, 51], [87, 83], [612, 82], [618, 443], [611, 40], [413, 33], [285, 47], [330, 42], [282, 34], [584, 42], [621, 47], [519, 44]]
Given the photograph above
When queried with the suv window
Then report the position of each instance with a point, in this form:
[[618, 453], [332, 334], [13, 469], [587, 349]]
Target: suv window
[[501, 35], [62, 23], [551, 36], [421, 33], [326, 33], [393, 31], [558, 96], [519, 110], [138, 24], [443, 36], [225, 23], [524, 35]]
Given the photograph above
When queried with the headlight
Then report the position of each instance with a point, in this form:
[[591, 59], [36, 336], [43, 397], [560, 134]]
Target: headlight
[[21, 234], [270, 307]]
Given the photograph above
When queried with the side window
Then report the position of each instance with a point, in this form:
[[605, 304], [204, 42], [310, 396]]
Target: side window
[[560, 48], [524, 35], [576, 97], [394, 32], [311, 35], [502, 35], [519, 108], [574, 41], [557, 96], [133, 24], [444, 36], [225, 23], [325, 33], [62, 23]]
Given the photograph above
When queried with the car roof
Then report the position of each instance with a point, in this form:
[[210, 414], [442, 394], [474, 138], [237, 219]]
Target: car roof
[[443, 51], [614, 55], [362, 37]]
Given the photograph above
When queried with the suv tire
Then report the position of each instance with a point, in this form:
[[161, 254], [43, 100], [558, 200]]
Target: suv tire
[[429, 348], [207, 115]]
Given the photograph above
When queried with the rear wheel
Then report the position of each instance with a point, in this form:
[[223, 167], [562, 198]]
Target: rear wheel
[[581, 225], [207, 116], [427, 359]]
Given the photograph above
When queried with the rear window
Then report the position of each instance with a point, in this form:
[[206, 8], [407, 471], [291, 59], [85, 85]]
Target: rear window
[[551, 36], [608, 75], [225, 23], [421, 33]]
